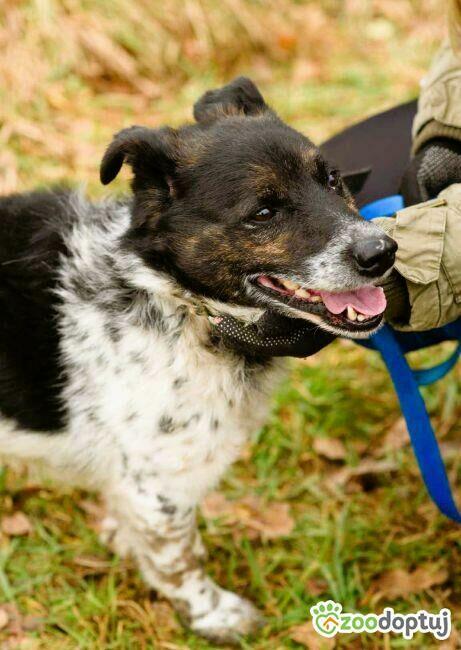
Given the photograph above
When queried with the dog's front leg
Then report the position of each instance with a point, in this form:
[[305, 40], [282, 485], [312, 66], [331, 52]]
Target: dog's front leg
[[160, 532]]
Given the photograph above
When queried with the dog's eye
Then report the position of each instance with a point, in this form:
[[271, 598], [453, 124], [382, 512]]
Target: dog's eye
[[333, 180], [265, 214]]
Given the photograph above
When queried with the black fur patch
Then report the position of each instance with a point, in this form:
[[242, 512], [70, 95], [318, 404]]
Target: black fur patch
[[31, 372], [166, 424]]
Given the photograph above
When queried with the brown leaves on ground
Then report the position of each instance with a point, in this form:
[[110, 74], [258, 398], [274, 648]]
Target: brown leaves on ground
[[452, 643], [331, 448], [157, 619], [16, 524], [316, 586], [306, 636], [96, 513], [164, 617], [16, 626], [366, 467], [91, 565], [250, 516], [396, 437], [401, 583], [4, 618]]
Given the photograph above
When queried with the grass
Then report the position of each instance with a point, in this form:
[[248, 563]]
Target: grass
[[72, 73]]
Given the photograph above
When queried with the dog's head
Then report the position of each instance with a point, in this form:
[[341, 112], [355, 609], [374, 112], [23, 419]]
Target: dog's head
[[242, 209]]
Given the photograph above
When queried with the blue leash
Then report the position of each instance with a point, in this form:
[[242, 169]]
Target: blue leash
[[393, 346]]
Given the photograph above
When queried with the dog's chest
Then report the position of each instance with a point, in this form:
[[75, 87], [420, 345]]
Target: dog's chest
[[157, 398]]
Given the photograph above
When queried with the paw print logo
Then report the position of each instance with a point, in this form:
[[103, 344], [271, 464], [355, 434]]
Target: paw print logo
[[326, 617]]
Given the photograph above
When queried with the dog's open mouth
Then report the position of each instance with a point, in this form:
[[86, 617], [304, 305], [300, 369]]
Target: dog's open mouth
[[357, 311]]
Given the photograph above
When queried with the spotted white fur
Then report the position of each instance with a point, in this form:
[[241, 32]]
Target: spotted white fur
[[325, 267], [155, 414]]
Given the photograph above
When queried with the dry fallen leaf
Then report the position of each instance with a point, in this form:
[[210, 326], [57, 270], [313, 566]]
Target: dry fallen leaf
[[92, 508], [164, 617], [366, 466], [108, 53], [216, 505], [23, 643], [397, 436], [400, 583], [9, 172], [452, 643], [154, 618], [16, 524], [4, 618], [306, 636], [316, 586], [31, 623], [96, 513], [258, 519], [14, 623], [331, 448], [92, 565], [14, 618]]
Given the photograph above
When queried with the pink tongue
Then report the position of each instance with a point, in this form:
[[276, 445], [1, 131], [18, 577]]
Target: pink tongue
[[369, 301]]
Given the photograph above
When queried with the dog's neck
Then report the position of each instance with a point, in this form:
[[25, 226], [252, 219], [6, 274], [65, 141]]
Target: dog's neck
[[123, 284], [180, 313]]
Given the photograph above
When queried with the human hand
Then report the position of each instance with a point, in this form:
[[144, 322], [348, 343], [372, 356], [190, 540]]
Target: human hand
[[436, 166]]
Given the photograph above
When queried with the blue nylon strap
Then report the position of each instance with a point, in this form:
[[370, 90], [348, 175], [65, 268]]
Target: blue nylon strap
[[392, 346], [431, 375], [418, 422], [382, 207]]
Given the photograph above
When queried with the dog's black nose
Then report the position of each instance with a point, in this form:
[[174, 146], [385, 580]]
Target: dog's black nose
[[374, 256]]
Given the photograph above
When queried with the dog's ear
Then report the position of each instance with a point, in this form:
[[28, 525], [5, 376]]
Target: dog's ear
[[355, 180], [149, 152], [240, 97]]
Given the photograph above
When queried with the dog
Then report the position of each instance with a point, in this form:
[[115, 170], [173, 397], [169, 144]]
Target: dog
[[111, 375]]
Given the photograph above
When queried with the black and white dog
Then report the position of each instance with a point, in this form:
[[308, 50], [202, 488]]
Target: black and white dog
[[109, 372]]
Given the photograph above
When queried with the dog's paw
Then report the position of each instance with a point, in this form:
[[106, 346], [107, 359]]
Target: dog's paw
[[232, 618]]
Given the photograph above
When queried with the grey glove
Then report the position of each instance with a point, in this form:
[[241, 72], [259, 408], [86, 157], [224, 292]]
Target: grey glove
[[436, 166]]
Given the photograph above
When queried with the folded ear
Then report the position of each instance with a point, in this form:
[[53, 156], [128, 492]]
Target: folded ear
[[240, 97], [149, 152]]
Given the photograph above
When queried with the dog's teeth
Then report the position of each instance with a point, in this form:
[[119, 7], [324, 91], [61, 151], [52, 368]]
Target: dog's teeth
[[302, 293], [361, 318], [316, 298], [292, 286], [351, 313]]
